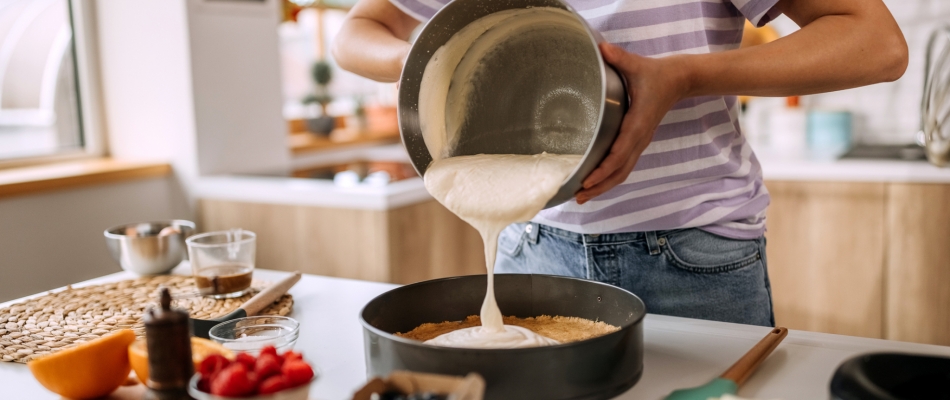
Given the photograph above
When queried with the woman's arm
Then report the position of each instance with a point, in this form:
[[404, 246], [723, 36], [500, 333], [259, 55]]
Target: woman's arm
[[842, 44], [373, 40]]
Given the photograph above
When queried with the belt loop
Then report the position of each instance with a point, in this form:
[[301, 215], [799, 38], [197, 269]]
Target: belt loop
[[531, 229], [651, 243]]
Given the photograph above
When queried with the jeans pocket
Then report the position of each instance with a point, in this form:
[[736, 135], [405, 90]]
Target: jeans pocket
[[512, 239], [698, 251]]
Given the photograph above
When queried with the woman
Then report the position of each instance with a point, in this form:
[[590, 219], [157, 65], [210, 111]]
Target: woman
[[676, 212]]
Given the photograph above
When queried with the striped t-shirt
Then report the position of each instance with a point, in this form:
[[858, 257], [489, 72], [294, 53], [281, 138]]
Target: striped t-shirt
[[698, 171]]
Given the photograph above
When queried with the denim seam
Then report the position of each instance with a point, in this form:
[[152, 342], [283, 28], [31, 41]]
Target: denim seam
[[517, 249], [577, 237], [679, 263]]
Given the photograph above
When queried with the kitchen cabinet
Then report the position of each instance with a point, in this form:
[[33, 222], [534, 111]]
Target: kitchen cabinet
[[825, 244], [918, 263], [861, 258], [400, 245]]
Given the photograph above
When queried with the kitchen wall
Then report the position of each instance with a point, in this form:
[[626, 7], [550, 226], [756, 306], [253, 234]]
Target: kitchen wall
[[52, 239], [889, 112]]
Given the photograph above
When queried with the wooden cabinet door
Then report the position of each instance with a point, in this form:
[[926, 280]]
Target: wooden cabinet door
[[826, 256], [918, 263]]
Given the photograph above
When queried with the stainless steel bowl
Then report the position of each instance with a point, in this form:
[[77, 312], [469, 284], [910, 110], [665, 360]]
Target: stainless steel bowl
[[545, 90], [144, 249]]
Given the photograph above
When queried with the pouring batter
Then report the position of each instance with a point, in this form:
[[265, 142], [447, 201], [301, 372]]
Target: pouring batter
[[676, 212], [490, 192]]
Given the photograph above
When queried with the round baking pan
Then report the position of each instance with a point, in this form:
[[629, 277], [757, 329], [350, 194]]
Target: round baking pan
[[597, 368]]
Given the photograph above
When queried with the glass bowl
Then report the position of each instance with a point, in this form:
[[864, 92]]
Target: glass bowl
[[301, 392], [252, 334]]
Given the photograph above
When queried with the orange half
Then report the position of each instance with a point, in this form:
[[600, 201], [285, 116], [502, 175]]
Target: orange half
[[89, 370]]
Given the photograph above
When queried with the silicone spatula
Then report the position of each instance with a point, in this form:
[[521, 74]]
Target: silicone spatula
[[730, 381]]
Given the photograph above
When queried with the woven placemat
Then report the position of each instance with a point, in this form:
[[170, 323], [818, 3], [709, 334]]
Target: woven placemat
[[60, 320]]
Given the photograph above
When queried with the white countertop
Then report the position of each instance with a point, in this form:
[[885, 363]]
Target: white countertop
[[850, 170], [679, 352]]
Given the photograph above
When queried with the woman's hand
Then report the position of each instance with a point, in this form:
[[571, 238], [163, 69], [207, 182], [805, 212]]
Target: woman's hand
[[654, 86]]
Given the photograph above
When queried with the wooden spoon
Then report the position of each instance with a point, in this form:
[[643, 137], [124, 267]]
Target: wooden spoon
[[730, 381]]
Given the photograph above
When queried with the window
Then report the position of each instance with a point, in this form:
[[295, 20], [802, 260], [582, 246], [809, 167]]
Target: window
[[41, 112]]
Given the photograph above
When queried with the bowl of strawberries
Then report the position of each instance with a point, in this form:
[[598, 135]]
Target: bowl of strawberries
[[269, 376]]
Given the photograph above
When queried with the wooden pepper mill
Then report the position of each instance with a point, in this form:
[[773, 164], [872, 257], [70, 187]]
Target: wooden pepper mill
[[168, 339]]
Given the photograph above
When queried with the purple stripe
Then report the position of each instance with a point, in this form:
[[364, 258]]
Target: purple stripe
[[679, 218], [661, 15], [732, 233], [721, 171], [682, 41], [750, 210], [667, 158], [417, 7], [646, 202], [730, 101], [693, 126], [694, 101], [754, 8]]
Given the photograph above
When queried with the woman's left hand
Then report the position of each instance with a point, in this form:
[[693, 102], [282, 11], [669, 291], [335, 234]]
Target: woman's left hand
[[654, 86]]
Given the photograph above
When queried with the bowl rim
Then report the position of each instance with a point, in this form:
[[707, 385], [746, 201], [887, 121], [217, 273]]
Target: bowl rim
[[622, 331], [294, 332], [108, 233], [251, 236], [198, 394]]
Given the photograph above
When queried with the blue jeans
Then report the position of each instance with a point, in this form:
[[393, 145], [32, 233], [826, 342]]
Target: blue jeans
[[686, 272]]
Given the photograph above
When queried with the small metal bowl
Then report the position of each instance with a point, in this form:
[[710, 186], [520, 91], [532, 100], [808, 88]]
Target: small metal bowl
[[251, 334], [545, 89], [144, 249]]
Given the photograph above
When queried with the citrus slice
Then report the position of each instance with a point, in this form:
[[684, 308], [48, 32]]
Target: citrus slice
[[89, 370], [200, 348]]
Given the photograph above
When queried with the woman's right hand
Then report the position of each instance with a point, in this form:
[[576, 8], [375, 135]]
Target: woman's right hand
[[373, 41]]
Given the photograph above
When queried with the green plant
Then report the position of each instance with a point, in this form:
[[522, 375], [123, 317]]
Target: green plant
[[322, 74]]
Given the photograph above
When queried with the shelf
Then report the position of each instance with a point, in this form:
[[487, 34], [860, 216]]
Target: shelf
[[306, 142], [75, 174]]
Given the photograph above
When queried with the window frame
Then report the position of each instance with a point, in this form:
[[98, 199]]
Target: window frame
[[82, 17]]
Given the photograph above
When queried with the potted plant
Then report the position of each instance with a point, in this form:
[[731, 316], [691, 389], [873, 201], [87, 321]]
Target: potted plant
[[321, 73]]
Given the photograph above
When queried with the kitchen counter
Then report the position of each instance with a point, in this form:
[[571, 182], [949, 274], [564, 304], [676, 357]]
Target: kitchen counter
[[323, 193], [776, 167], [679, 352], [263, 189]]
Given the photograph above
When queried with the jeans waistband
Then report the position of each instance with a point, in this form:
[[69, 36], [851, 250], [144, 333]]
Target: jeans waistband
[[605, 238]]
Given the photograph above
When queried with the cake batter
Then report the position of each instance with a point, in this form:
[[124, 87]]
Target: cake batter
[[490, 192]]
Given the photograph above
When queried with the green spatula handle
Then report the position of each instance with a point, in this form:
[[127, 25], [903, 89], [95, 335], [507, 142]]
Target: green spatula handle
[[742, 369]]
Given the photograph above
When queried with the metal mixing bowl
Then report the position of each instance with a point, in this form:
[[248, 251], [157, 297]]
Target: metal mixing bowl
[[141, 247], [598, 368], [545, 90]]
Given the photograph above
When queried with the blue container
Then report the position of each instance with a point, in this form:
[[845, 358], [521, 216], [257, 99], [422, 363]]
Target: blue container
[[829, 132]]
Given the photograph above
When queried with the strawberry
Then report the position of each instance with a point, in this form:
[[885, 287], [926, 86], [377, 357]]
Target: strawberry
[[290, 355], [212, 363], [246, 359], [273, 384], [233, 381], [296, 372], [204, 384], [267, 364], [269, 350]]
